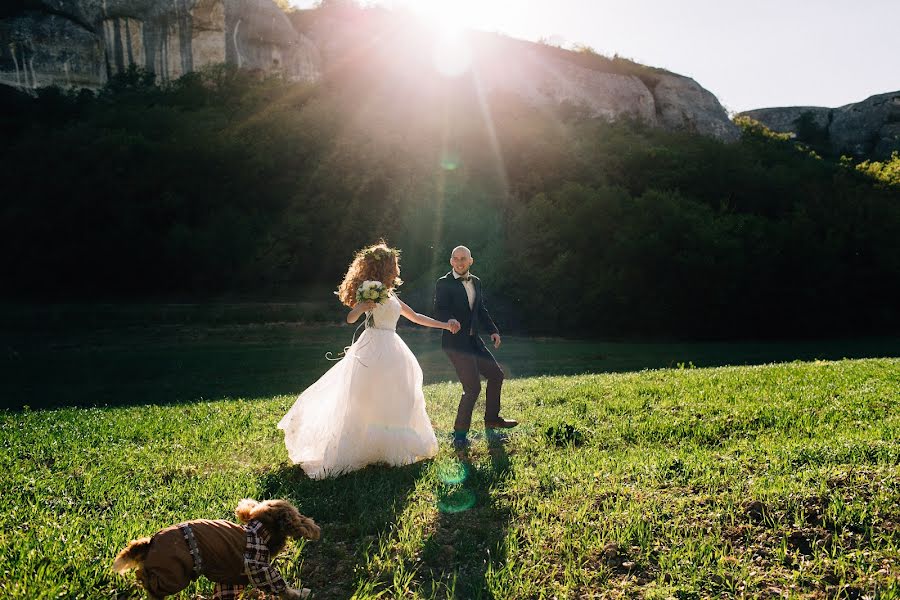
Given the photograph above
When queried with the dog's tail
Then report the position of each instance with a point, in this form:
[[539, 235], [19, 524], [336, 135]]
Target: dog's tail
[[132, 555]]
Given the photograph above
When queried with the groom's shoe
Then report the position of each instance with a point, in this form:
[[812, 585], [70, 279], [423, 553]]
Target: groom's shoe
[[461, 447], [500, 423], [461, 444]]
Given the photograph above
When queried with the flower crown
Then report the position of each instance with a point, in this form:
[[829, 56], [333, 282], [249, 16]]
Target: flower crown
[[380, 253]]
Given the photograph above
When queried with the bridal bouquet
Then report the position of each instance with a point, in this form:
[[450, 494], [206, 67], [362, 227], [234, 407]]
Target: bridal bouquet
[[372, 290]]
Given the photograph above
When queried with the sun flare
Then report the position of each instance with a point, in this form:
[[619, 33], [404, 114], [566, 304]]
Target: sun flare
[[448, 17], [451, 54], [448, 21]]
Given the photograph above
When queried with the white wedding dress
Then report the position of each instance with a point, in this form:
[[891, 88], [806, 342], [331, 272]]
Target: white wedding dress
[[368, 408]]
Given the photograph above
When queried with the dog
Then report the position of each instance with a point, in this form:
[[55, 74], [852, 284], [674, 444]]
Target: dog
[[231, 555]]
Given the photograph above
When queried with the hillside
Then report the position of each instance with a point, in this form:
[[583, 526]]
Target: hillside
[[225, 183]]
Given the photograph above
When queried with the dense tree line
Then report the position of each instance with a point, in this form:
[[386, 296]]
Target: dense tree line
[[223, 182]]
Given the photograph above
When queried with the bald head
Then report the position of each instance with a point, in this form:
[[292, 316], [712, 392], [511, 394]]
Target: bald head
[[461, 259]]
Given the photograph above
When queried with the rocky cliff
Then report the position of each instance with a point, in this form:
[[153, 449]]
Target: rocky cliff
[[545, 75], [870, 128], [548, 75], [83, 42]]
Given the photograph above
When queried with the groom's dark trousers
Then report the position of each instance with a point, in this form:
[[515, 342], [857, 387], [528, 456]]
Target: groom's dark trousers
[[470, 366], [466, 350]]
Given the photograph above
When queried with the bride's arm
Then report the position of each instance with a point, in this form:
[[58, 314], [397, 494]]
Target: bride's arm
[[420, 319], [359, 309]]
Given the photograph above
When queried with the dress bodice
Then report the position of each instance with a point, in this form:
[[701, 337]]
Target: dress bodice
[[386, 314]]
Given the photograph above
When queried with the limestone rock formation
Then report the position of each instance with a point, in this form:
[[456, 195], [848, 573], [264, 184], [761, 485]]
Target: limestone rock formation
[[544, 75], [870, 128], [682, 103], [657, 98], [84, 42], [549, 80]]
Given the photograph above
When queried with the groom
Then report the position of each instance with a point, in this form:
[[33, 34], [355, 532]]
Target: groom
[[457, 295]]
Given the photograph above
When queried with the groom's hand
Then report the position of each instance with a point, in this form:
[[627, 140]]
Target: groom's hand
[[454, 325], [496, 338]]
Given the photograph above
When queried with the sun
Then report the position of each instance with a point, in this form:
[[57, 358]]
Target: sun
[[447, 16], [450, 53]]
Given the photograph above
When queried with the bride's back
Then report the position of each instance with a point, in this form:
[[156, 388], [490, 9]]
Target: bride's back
[[386, 314]]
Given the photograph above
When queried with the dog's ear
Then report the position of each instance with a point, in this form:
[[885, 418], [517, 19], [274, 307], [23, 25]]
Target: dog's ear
[[301, 526], [244, 510]]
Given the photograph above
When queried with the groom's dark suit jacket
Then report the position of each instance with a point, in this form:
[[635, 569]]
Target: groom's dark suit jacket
[[452, 302]]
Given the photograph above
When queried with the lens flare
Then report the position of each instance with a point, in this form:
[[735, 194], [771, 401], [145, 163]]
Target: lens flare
[[450, 160], [456, 500], [452, 472]]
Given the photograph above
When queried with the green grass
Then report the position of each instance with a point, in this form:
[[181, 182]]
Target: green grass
[[780, 480]]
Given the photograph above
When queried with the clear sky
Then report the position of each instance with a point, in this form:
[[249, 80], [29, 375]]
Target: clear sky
[[750, 54]]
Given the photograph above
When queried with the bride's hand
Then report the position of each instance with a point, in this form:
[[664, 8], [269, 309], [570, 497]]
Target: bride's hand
[[367, 305], [453, 325]]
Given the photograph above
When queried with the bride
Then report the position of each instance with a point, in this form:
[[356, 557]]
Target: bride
[[369, 407]]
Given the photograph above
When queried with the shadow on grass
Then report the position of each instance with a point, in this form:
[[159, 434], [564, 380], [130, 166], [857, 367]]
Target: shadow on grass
[[353, 510], [359, 510], [468, 538]]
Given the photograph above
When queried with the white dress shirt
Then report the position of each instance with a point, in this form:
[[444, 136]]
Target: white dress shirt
[[470, 288]]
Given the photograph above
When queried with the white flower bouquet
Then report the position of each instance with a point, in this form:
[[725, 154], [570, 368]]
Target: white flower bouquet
[[372, 290]]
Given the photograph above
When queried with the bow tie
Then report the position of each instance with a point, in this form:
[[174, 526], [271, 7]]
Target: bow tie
[[465, 277]]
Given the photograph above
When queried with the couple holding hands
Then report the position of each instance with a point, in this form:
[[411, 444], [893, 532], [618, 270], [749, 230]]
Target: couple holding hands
[[370, 408]]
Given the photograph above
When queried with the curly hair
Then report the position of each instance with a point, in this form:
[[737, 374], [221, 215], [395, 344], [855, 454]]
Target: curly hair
[[281, 519], [378, 262]]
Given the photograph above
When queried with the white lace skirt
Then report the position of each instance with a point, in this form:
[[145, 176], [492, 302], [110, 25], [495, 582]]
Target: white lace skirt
[[368, 408]]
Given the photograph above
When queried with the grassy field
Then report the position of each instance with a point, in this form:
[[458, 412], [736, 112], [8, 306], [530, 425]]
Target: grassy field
[[780, 480]]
